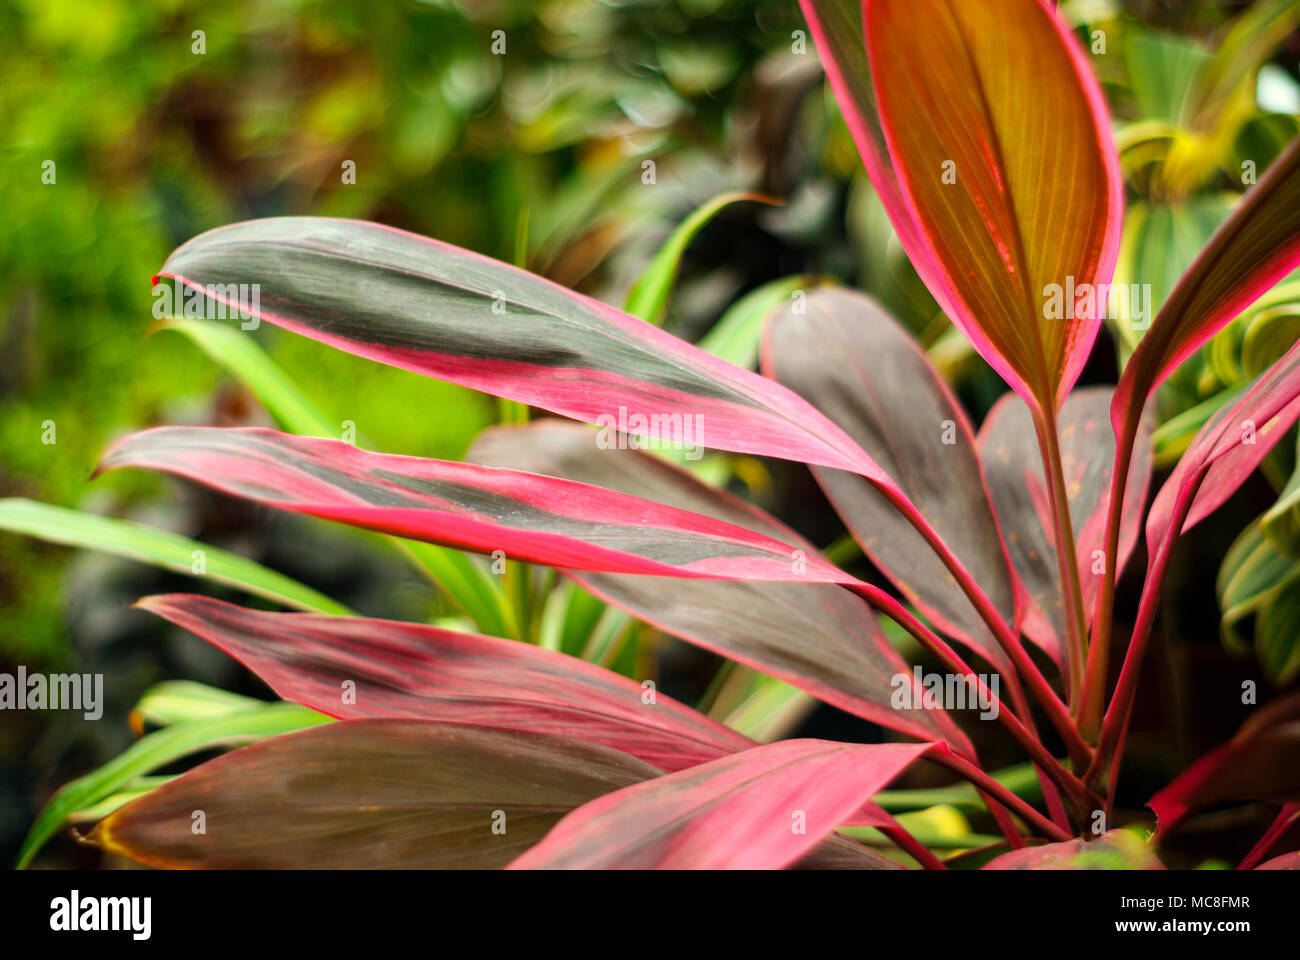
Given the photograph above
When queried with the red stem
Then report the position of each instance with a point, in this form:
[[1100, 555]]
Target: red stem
[[1056, 711], [1126, 688], [952, 661], [1008, 799], [1003, 819], [913, 847], [1051, 795], [1288, 815], [1049, 446], [1094, 685]]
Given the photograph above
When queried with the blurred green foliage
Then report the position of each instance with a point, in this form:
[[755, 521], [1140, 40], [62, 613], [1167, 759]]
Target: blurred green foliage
[[150, 133]]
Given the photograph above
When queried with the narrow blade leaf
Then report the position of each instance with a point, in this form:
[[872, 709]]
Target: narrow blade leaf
[[459, 576], [849, 359], [1012, 184], [529, 517], [1257, 245], [817, 637], [648, 298], [395, 794], [733, 813], [1009, 452], [156, 750], [435, 309], [409, 671], [240, 354], [1229, 447], [162, 548]]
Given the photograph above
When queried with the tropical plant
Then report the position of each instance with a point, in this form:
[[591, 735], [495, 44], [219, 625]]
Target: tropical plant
[[986, 137]]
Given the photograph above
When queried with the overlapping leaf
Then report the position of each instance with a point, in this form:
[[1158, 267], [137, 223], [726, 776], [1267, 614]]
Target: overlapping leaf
[[1259, 589], [761, 809], [818, 637], [1288, 861], [849, 359], [528, 517], [460, 578], [157, 750], [1229, 447], [409, 671], [649, 296], [397, 794], [1256, 245], [1014, 468], [1009, 189], [1116, 850], [836, 27], [135, 541], [1262, 762], [425, 306]]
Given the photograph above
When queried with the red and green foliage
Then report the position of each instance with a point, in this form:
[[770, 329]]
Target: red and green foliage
[[987, 138]]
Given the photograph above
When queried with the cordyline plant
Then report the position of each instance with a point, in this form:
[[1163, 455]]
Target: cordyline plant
[[987, 138]]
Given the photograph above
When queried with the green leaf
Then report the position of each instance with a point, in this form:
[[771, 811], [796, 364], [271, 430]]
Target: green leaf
[[1172, 438], [133, 791], [738, 333], [1159, 243], [648, 298], [162, 548], [1161, 70], [1019, 779], [1277, 636], [1269, 334], [158, 749], [468, 584], [249, 363], [1258, 581], [182, 701], [1250, 42], [940, 827], [1281, 523], [771, 710]]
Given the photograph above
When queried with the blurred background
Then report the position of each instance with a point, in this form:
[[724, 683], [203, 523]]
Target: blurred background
[[130, 127]]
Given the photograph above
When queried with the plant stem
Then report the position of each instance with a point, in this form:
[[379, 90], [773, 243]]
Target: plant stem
[[1049, 445], [984, 782], [1117, 714], [913, 847], [1080, 753], [1004, 821], [1042, 757], [1094, 685], [1274, 833], [1051, 795]]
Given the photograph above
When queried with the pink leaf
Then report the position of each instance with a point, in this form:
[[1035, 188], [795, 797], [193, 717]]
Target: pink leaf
[[1229, 447], [853, 362], [409, 671], [528, 517], [1009, 452], [435, 309], [761, 809], [818, 637]]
